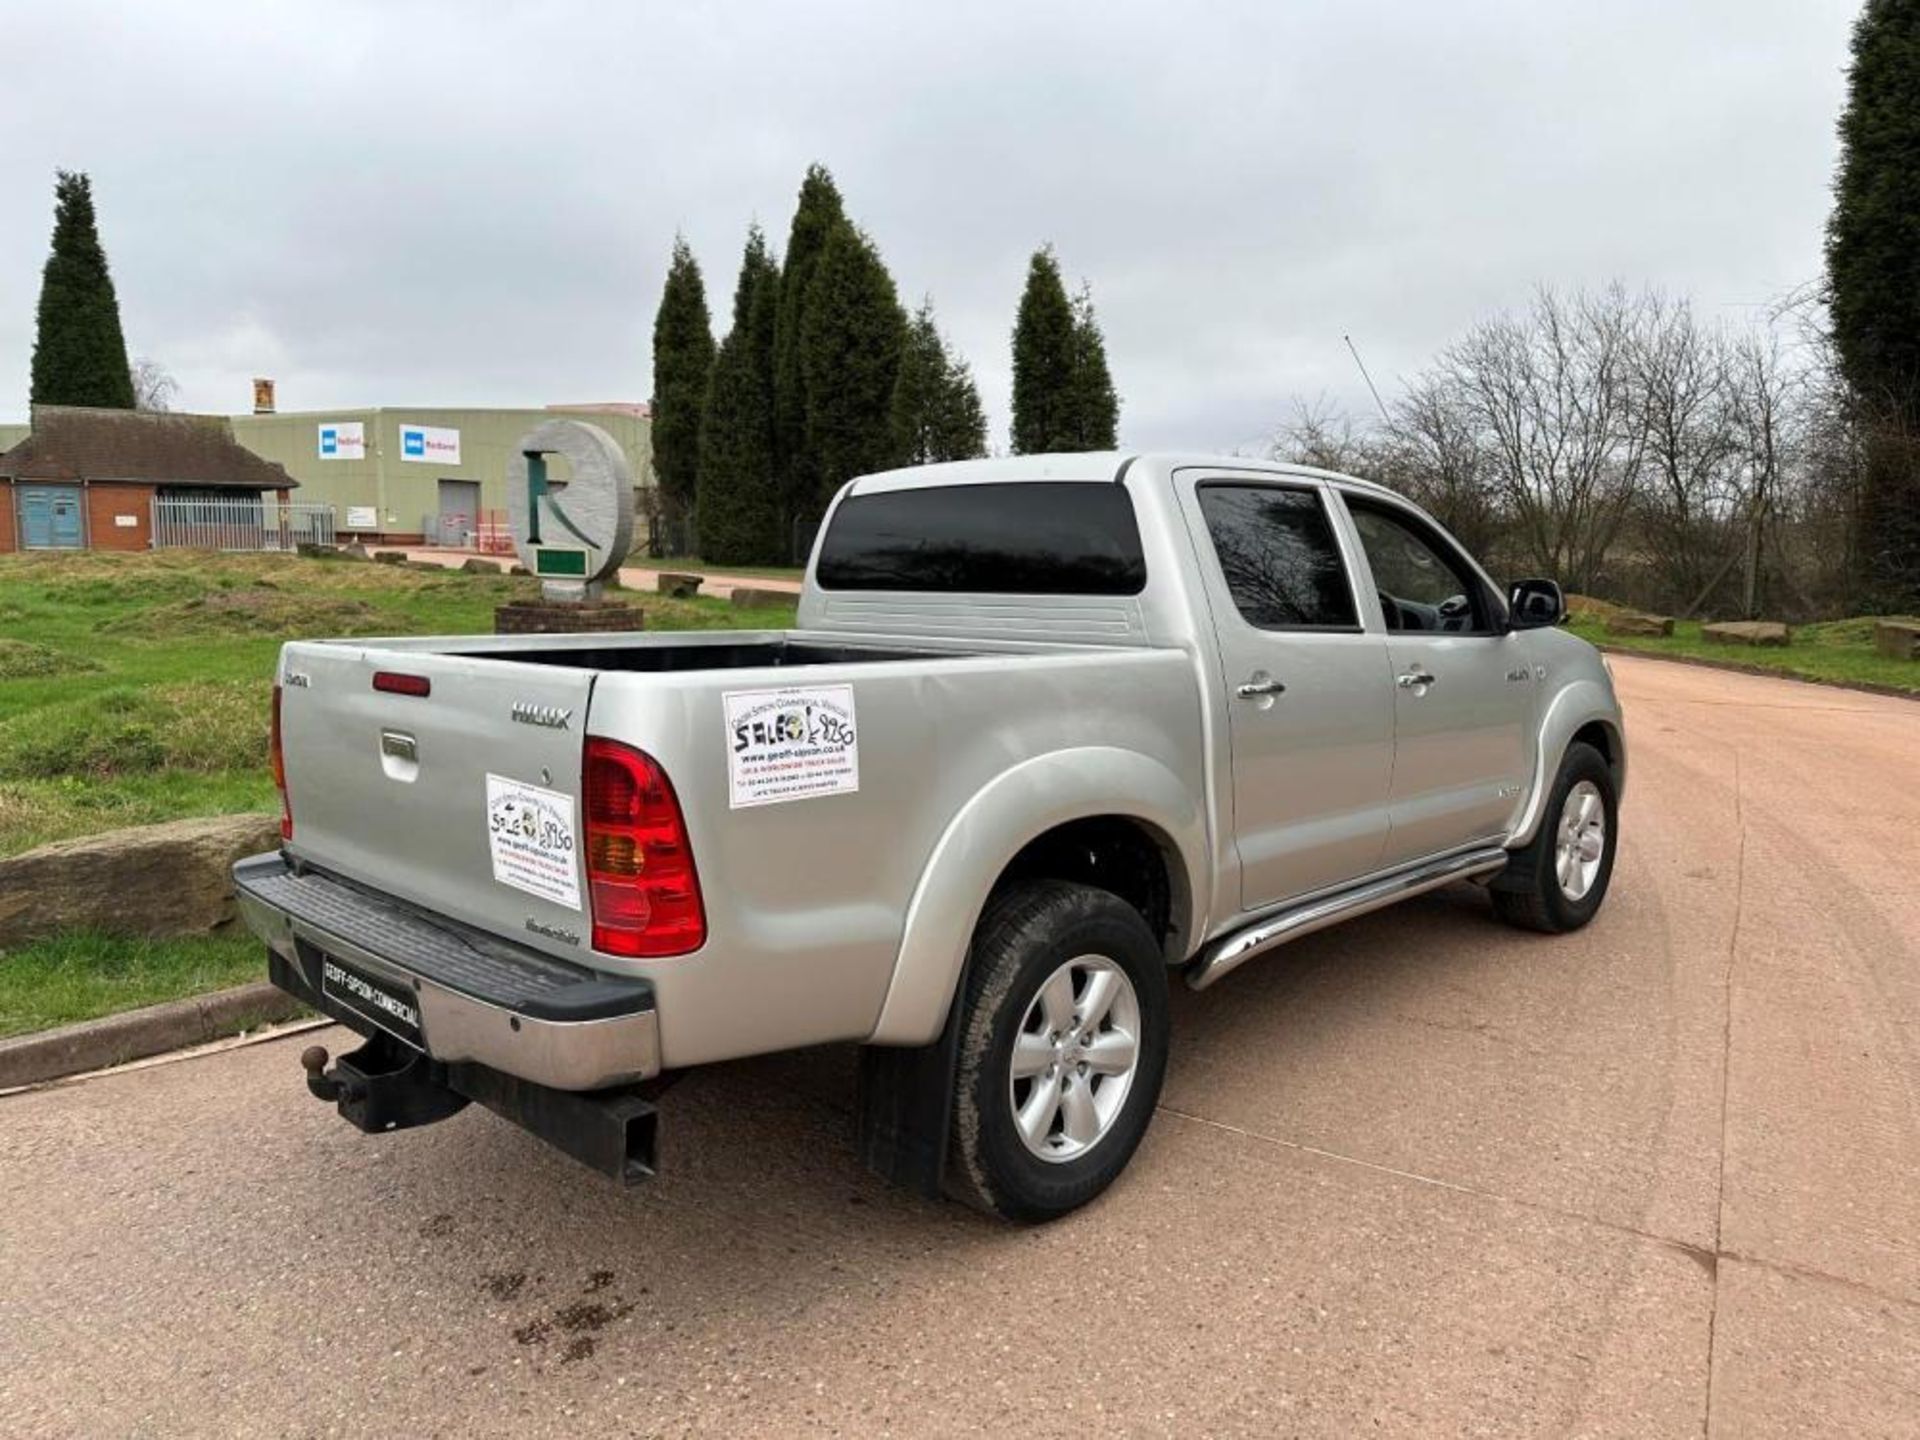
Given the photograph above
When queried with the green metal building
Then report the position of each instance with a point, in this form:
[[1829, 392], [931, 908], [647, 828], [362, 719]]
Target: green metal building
[[426, 475]]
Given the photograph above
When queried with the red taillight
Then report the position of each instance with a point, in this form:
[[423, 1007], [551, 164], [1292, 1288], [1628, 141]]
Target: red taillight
[[280, 769], [640, 875], [394, 683]]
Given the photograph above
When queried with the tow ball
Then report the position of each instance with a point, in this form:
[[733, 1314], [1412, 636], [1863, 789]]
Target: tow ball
[[382, 1086]]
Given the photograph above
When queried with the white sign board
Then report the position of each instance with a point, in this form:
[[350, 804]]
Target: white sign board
[[530, 836], [429, 445], [127, 522], [793, 744], [363, 517], [342, 440]]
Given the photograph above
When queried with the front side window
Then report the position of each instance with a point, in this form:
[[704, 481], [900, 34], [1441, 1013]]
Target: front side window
[[1279, 557], [1031, 538], [1424, 585]]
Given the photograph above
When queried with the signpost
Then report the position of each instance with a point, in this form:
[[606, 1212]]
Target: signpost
[[572, 533]]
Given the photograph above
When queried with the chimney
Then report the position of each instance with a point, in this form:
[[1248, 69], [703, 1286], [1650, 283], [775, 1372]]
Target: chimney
[[262, 396]]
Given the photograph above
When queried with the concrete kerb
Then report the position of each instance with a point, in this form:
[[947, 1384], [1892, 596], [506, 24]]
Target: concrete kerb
[[136, 1034]]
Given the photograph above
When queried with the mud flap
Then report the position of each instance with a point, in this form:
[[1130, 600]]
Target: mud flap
[[905, 1101]]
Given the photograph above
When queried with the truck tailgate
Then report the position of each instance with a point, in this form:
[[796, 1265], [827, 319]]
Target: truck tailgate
[[450, 781]]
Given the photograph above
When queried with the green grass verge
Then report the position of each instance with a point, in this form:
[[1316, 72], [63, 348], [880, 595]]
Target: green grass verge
[[1836, 652], [82, 977], [133, 688]]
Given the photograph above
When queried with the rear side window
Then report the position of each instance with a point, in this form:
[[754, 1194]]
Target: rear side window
[[1044, 538], [1277, 552]]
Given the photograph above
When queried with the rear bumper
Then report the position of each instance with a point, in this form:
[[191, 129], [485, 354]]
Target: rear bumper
[[478, 998]]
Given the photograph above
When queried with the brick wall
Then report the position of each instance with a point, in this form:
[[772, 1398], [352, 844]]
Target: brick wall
[[543, 617], [8, 540]]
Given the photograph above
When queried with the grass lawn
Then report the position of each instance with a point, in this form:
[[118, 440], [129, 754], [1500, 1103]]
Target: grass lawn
[[78, 977], [1838, 651], [134, 689]]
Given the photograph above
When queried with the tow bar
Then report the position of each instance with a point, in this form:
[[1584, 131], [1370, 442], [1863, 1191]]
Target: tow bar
[[385, 1085]]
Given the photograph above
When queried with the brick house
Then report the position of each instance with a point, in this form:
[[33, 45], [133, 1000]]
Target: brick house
[[86, 479]]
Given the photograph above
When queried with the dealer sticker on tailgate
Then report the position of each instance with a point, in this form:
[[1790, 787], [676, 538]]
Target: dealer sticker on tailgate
[[530, 836], [792, 744]]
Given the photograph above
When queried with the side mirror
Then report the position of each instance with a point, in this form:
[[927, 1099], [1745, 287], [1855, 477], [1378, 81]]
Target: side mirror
[[1535, 604]]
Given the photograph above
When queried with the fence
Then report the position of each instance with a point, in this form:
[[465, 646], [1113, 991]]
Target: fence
[[238, 522]]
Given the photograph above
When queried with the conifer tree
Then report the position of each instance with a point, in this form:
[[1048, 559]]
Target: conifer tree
[[682, 364], [739, 510], [936, 412], [1043, 353], [851, 331], [1063, 395], [816, 215], [1091, 404], [1873, 274], [79, 352]]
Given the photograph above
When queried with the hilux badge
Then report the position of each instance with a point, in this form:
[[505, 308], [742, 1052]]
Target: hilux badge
[[552, 717]]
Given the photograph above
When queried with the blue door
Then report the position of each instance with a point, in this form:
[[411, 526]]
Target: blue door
[[50, 517]]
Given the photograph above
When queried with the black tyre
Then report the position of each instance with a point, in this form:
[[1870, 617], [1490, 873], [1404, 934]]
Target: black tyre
[[1556, 883], [1063, 1045]]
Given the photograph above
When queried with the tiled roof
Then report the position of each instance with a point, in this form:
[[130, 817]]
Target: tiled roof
[[72, 442]]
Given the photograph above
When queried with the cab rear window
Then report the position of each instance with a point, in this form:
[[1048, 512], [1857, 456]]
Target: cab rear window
[[1037, 538]]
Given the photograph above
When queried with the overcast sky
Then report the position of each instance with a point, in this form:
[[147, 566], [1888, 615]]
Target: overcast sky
[[445, 202]]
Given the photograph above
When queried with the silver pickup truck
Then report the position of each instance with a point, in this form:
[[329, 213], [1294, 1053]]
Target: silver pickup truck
[[1050, 733]]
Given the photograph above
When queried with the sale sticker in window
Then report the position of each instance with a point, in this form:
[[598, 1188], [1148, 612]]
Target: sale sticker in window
[[795, 744], [530, 835]]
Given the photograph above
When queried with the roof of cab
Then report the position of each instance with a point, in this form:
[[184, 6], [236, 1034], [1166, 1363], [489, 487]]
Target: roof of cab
[[1095, 466]]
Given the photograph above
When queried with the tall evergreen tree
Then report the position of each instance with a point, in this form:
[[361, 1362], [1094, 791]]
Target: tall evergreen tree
[[79, 352], [740, 512], [1063, 395], [1873, 273], [936, 413], [682, 362], [1092, 405], [1043, 352], [817, 215], [850, 337]]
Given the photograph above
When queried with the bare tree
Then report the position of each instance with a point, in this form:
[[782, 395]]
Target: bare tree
[[1319, 433], [1549, 390], [1680, 379], [1434, 451], [153, 387]]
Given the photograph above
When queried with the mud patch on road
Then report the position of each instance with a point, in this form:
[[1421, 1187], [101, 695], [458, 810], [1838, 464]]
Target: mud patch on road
[[505, 1284], [578, 1321]]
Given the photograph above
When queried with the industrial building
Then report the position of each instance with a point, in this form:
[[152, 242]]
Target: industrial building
[[426, 475]]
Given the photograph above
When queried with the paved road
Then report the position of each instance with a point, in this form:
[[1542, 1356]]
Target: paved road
[[1421, 1175]]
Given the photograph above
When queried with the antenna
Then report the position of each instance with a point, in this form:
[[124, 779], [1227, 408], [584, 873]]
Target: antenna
[[1368, 378]]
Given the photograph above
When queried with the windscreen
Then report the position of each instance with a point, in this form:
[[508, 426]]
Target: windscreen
[[1038, 538]]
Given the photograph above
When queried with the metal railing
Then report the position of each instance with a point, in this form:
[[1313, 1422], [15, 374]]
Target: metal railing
[[238, 522]]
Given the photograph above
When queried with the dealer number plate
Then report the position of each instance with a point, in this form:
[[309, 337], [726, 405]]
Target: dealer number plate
[[394, 1008]]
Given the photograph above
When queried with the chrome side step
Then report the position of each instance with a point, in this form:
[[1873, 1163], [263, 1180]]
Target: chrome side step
[[1231, 951]]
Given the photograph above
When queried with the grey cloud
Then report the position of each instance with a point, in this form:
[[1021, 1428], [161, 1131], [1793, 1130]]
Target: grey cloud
[[464, 204]]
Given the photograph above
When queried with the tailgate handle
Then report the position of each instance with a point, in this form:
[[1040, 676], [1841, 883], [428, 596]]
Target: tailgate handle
[[400, 746]]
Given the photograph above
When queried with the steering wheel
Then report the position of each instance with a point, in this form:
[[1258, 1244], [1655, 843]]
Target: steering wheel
[[1390, 611]]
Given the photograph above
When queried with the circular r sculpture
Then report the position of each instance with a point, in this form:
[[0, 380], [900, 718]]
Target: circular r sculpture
[[574, 533]]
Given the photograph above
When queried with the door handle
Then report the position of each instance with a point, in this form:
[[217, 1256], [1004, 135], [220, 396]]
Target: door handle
[[1415, 679], [1258, 686]]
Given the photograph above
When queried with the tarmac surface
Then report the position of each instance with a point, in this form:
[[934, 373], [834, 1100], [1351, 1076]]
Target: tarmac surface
[[1419, 1175]]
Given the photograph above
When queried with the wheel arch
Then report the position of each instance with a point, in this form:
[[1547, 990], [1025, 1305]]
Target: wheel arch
[[1103, 816], [1584, 711]]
